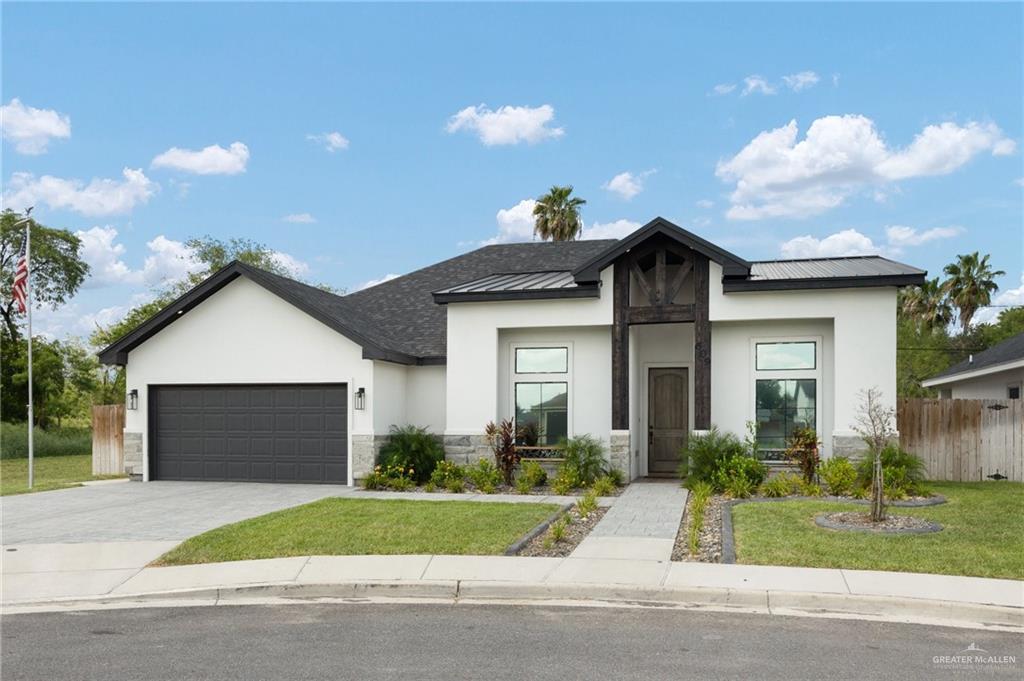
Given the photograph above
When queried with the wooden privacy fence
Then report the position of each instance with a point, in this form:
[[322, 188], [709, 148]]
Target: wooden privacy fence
[[964, 440], [108, 439]]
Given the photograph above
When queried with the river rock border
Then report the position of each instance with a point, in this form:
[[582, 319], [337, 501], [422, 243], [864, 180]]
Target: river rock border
[[729, 541]]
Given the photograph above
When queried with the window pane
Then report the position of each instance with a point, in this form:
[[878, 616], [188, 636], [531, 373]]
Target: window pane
[[781, 407], [777, 356], [542, 414], [542, 360]]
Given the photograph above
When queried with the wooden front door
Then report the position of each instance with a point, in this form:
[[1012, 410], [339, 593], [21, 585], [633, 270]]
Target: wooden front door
[[668, 410]]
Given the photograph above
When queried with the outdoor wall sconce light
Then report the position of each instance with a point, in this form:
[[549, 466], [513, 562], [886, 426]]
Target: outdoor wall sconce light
[[133, 399], [361, 399]]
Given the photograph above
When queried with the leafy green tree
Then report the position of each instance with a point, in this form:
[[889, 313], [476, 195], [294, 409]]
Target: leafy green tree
[[47, 380], [970, 285], [557, 215], [1009, 323], [57, 266], [921, 352]]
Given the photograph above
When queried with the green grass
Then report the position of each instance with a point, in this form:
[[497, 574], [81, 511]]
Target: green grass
[[982, 536], [53, 442], [337, 526], [50, 472]]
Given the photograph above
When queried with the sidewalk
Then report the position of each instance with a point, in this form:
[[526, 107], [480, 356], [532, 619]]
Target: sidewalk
[[33, 581], [642, 524]]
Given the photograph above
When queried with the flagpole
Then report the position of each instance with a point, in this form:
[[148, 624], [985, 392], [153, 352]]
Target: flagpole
[[28, 297]]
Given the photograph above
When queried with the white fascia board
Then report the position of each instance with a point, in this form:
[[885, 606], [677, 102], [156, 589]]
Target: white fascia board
[[965, 375]]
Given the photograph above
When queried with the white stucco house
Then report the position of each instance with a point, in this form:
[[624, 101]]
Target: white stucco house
[[638, 342], [993, 374]]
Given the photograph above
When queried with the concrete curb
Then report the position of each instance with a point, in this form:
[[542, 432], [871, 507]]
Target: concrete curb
[[769, 602]]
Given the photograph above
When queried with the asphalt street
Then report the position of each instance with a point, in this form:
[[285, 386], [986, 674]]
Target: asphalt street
[[443, 641]]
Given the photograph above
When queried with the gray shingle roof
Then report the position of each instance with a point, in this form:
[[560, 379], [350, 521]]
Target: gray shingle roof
[[403, 310], [528, 281], [1010, 350]]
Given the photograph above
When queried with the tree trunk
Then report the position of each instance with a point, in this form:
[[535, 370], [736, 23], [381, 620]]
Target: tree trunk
[[6, 313], [877, 502]]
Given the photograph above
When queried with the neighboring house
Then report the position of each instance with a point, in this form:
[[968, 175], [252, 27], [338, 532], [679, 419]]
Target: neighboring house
[[993, 374], [638, 342]]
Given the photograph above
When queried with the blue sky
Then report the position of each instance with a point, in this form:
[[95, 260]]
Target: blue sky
[[773, 130]]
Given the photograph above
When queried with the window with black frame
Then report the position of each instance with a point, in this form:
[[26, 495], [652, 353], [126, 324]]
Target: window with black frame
[[786, 393], [541, 395]]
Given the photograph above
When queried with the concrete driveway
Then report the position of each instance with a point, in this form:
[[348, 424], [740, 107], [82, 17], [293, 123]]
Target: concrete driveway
[[145, 512]]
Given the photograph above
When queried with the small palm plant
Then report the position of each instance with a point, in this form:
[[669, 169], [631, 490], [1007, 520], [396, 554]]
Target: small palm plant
[[557, 215]]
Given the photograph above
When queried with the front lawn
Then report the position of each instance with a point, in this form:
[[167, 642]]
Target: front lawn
[[339, 526], [982, 536], [51, 472]]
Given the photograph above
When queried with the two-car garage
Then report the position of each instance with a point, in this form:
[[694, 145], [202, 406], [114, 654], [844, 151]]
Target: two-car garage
[[252, 433]]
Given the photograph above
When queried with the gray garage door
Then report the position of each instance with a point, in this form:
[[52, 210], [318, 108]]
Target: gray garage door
[[260, 433]]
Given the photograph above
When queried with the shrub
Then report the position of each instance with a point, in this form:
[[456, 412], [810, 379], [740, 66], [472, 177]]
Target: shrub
[[50, 442], [502, 438], [700, 493], [455, 485], [587, 504], [390, 477], [430, 486], [446, 471], [810, 489], [617, 477], [900, 470], [782, 485], [584, 456], [484, 475], [739, 487], [523, 485], [838, 475], [564, 482], [533, 473], [802, 449], [704, 453], [739, 467], [557, 529], [414, 449], [603, 486]]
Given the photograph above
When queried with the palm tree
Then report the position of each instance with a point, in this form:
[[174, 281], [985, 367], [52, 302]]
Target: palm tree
[[557, 215], [970, 285], [927, 305]]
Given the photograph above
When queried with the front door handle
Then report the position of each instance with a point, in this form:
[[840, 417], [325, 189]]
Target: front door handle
[[650, 435]]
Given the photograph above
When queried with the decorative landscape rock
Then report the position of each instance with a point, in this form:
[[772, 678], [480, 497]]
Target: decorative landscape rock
[[855, 521]]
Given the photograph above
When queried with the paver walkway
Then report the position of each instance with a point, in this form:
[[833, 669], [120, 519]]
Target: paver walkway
[[641, 525]]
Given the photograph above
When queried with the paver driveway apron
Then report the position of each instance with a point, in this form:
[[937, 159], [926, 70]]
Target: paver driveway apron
[[154, 511]]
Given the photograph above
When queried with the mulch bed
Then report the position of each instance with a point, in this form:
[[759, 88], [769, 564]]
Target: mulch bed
[[575, 532], [855, 521], [544, 491]]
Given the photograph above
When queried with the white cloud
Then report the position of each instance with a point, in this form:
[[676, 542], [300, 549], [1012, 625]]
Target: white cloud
[[851, 242], [211, 160], [300, 218], [292, 265], [900, 236], [169, 262], [514, 224], [610, 230], [777, 176], [103, 255], [331, 141], [31, 129], [507, 124], [723, 89], [801, 81], [846, 242], [1009, 298], [627, 185], [705, 204], [752, 84], [374, 282], [99, 197]]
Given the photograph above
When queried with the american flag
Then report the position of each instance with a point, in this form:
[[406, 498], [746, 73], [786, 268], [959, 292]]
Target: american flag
[[21, 280]]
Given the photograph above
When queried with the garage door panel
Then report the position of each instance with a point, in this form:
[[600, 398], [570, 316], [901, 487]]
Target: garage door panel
[[257, 432]]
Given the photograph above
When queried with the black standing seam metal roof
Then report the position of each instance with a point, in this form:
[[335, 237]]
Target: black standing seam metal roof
[[1010, 350], [401, 321]]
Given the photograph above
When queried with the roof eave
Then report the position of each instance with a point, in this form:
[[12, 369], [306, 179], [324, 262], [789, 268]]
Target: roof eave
[[732, 265], [968, 374], [894, 280], [581, 291]]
